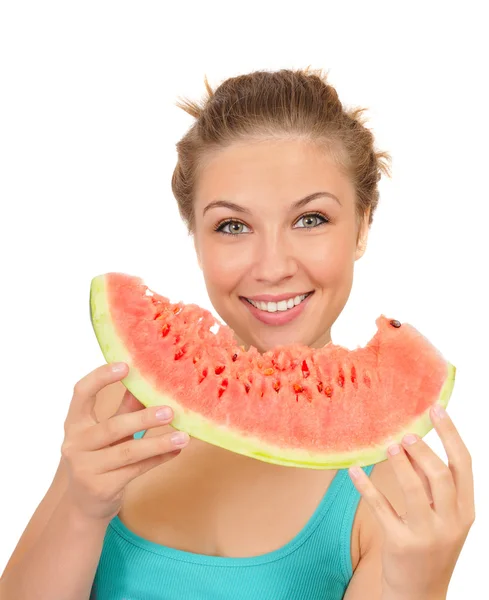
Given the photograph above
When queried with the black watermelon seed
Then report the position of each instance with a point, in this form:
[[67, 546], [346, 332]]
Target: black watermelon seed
[[395, 323]]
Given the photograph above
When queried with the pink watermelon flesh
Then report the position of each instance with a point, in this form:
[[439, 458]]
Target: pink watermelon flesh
[[319, 408]]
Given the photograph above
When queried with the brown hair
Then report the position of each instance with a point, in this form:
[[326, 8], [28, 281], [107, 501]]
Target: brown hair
[[291, 103]]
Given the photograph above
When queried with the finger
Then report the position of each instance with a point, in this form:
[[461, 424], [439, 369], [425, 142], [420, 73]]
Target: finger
[[424, 480], [459, 458], [377, 502], [85, 390], [133, 451], [121, 477], [418, 509], [439, 476], [123, 426], [129, 404]]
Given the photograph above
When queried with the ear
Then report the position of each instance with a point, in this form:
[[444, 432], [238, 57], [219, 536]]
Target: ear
[[362, 236]]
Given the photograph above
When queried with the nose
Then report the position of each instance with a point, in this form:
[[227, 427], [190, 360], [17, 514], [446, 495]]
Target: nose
[[274, 260]]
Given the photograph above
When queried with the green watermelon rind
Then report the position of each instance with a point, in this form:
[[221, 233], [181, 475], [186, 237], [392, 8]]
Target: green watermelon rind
[[202, 428]]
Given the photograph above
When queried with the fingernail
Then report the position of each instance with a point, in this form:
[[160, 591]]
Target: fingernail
[[163, 414], [355, 472], [439, 411], [394, 449], [118, 367], [179, 438], [409, 439]]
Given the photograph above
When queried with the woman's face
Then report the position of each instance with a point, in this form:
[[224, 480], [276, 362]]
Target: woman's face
[[274, 221]]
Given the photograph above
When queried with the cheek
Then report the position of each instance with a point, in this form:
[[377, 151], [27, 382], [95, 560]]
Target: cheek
[[332, 262], [223, 264], [334, 276]]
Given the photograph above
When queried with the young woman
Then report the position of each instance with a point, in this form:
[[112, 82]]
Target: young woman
[[278, 185]]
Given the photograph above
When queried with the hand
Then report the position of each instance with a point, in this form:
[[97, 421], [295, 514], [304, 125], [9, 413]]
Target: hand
[[421, 548], [102, 458]]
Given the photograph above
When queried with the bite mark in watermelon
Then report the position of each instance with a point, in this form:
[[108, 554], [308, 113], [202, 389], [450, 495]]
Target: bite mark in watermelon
[[325, 408]]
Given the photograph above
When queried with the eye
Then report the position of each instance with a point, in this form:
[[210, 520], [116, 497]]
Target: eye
[[231, 227], [312, 220]]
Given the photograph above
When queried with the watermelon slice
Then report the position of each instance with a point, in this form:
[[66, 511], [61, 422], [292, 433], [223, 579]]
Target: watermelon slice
[[325, 408]]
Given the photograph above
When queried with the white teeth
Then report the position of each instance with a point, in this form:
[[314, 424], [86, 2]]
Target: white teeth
[[283, 305]]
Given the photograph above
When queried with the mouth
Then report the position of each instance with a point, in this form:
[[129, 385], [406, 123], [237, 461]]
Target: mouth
[[282, 306], [277, 313]]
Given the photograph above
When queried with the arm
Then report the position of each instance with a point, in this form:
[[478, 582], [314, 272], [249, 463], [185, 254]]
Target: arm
[[60, 563], [59, 554], [368, 576], [57, 538], [41, 516]]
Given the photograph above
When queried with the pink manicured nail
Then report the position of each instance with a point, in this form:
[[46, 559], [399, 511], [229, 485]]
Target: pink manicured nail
[[439, 411], [179, 438], [394, 449], [163, 414], [409, 439], [355, 472]]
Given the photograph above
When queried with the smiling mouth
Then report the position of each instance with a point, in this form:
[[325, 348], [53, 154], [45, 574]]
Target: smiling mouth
[[282, 306]]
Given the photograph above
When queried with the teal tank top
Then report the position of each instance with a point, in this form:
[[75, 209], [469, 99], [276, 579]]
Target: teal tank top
[[314, 565]]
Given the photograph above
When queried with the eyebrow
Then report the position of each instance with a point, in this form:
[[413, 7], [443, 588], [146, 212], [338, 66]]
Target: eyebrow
[[298, 204]]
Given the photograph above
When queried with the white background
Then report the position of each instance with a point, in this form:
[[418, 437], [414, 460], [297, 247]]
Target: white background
[[88, 129]]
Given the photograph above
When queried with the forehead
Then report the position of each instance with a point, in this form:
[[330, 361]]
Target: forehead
[[248, 172]]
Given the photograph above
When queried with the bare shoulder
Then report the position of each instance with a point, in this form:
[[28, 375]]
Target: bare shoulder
[[108, 400]]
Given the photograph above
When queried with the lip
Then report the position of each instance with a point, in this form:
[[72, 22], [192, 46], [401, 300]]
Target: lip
[[271, 298], [278, 317]]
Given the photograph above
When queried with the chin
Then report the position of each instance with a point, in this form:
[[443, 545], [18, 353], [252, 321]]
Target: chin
[[267, 340]]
